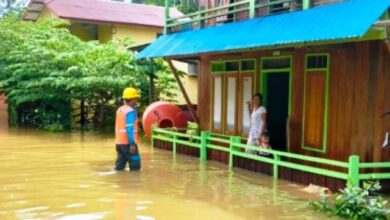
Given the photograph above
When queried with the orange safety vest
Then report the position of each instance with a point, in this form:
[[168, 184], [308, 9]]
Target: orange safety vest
[[120, 126]]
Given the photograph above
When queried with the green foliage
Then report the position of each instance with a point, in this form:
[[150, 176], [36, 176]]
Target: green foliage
[[47, 115], [185, 6], [165, 87], [355, 203], [9, 6], [188, 6], [42, 63], [54, 127]]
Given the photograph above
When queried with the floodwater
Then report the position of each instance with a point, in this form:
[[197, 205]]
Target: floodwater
[[70, 176]]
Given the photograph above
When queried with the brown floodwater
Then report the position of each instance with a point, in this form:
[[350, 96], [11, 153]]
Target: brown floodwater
[[70, 176]]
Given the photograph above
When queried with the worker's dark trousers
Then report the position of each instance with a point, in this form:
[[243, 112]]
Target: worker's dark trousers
[[124, 156]]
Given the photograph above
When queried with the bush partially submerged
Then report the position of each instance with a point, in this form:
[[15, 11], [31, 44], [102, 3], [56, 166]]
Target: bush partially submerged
[[355, 203]]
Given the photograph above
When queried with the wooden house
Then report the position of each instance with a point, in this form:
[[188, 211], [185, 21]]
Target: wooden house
[[323, 67]]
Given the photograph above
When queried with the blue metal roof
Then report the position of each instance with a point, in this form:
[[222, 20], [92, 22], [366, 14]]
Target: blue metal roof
[[337, 21]]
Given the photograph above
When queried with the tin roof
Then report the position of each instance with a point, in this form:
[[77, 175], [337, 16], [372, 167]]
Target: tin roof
[[103, 11], [337, 21]]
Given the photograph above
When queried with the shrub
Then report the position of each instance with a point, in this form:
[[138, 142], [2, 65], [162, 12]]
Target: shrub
[[355, 203], [54, 127]]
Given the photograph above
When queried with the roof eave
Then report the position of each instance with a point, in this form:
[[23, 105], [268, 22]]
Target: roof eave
[[272, 47], [108, 22]]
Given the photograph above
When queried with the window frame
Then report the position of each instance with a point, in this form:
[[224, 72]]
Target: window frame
[[326, 71], [240, 100], [212, 103], [239, 74], [225, 93], [269, 8], [265, 72], [224, 71]]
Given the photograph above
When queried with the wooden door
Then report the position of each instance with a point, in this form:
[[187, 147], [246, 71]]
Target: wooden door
[[277, 96]]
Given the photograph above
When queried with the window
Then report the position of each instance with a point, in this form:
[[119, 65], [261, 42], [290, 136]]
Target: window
[[192, 69], [323, 2], [276, 63], [84, 31], [231, 104], [217, 99], [247, 93], [248, 65], [317, 62], [232, 87], [217, 67], [315, 102], [231, 66], [278, 7]]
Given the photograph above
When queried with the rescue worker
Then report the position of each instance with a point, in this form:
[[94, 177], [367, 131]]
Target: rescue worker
[[126, 132]]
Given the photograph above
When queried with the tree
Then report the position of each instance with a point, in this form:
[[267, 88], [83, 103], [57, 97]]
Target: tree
[[7, 6], [43, 66], [185, 6]]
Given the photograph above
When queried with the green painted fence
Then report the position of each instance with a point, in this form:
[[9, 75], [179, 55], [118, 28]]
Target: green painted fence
[[208, 140]]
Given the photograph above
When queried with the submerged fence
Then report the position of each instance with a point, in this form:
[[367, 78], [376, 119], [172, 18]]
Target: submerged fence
[[207, 140]]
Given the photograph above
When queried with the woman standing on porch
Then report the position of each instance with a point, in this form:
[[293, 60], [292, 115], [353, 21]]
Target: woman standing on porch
[[258, 121]]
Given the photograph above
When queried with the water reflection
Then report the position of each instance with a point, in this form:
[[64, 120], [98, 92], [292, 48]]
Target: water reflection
[[68, 176]]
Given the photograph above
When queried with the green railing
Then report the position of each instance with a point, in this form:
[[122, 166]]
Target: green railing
[[208, 140], [239, 10]]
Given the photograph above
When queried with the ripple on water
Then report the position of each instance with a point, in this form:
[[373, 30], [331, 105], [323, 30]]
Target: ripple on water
[[68, 176], [89, 216]]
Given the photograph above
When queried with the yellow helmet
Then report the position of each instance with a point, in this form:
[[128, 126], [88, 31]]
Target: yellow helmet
[[130, 93]]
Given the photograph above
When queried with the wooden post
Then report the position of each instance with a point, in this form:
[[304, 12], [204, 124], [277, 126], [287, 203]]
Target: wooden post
[[151, 81], [183, 91], [83, 118], [388, 45], [387, 41]]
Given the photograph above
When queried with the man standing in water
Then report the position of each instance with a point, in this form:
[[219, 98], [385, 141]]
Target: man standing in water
[[126, 132]]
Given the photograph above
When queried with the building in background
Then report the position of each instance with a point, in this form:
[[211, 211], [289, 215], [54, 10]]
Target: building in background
[[113, 20]]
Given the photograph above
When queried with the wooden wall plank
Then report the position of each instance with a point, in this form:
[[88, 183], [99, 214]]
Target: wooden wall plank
[[345, 106], [335, 81], [359, 115], [371, 102], [203, 107], [297, 101], [385, 122]]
